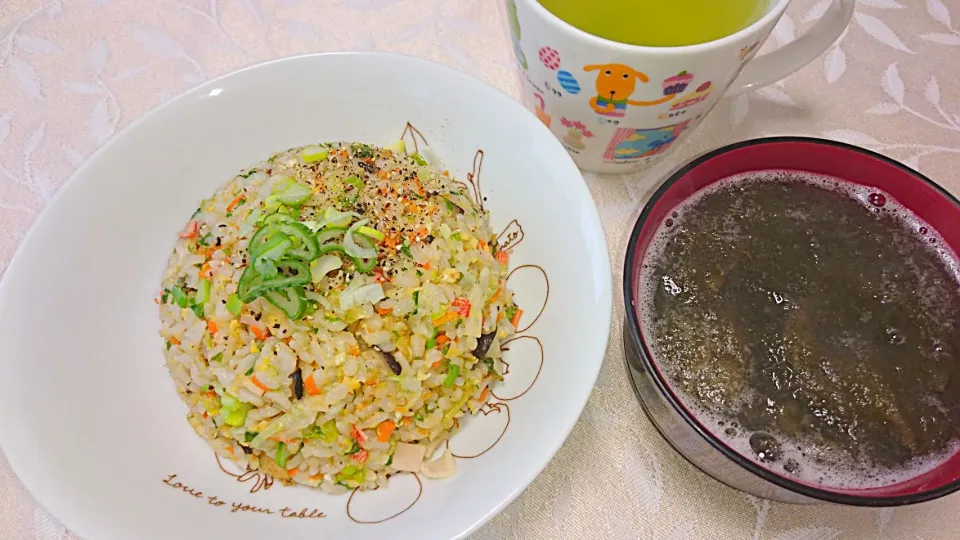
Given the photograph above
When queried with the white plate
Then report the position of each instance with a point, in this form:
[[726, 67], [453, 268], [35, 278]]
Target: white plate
[[90, 419]]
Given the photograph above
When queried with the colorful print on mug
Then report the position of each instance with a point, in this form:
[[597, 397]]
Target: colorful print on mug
[[615, 84], [632, 144]]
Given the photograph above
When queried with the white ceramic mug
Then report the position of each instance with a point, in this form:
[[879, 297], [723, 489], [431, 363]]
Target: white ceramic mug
[[619, 108]]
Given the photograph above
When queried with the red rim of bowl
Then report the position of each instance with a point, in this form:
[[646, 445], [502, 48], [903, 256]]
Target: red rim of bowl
[[631, 264]]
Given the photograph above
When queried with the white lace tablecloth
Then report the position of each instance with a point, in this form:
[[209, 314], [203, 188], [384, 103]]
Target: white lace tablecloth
[[74, 72]]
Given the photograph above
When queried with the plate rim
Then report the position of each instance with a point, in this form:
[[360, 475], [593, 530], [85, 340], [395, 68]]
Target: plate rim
[[605, 299]]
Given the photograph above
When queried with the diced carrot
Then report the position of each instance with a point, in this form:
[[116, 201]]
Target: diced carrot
[[354, 351], [361, 456], [156, 300], [384, 430], [406, 421], [205, 270], [482, 243], [426, 265], [483, 395], [496, 294], [445, 318], [446, 173], [316, 477], [503, 257], [232, 453], [233, 204], [293, 472], [311, 386], [174, 340], [212, 327], [499, 316], [436, 364], [384, 311], [259, 384], [259, 331], [390, 241], [462, 306], [420, 189], [516, 318], [442, 339], [412, 208]]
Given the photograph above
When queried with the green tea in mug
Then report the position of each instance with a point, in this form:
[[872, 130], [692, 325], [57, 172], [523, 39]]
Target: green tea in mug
[[658, 23]]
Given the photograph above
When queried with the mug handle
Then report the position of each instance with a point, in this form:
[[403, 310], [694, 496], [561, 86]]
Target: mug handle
[[775, 65]]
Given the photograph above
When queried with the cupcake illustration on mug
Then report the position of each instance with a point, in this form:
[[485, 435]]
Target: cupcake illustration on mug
[[693, 98], [576, 132], [676, 84]]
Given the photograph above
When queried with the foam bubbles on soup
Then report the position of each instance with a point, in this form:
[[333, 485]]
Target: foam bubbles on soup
[[810, 323]]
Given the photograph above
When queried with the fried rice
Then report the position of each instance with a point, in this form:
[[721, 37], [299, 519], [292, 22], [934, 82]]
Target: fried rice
[[330, 314]]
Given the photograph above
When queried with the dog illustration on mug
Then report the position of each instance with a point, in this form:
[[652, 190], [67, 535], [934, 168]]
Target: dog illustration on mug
[[615, 84]]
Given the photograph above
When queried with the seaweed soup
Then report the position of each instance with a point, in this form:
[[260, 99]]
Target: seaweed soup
[[810, 323]]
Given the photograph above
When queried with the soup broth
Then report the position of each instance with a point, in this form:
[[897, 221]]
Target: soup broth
[[815, 322]]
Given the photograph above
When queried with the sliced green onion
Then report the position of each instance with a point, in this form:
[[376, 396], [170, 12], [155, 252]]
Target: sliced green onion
[[453, 371], [330, 240], [431, 343], [234, 304], [282, 454], [289, 191], [179, 297], [291, 301], [405, 248], [354, 181], [252, 285], [234, 410], [313, 154], [266, 237], [203, 292], [323, 266], [351, 474], [217, 357], [249, 436], [372, 233], [335, 218], [398, 147], [329, 431], [352, 245], [306, 246], [365, 264], [197, 310], [418, 159], [353, 449], [269, 241], [278, 217]]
